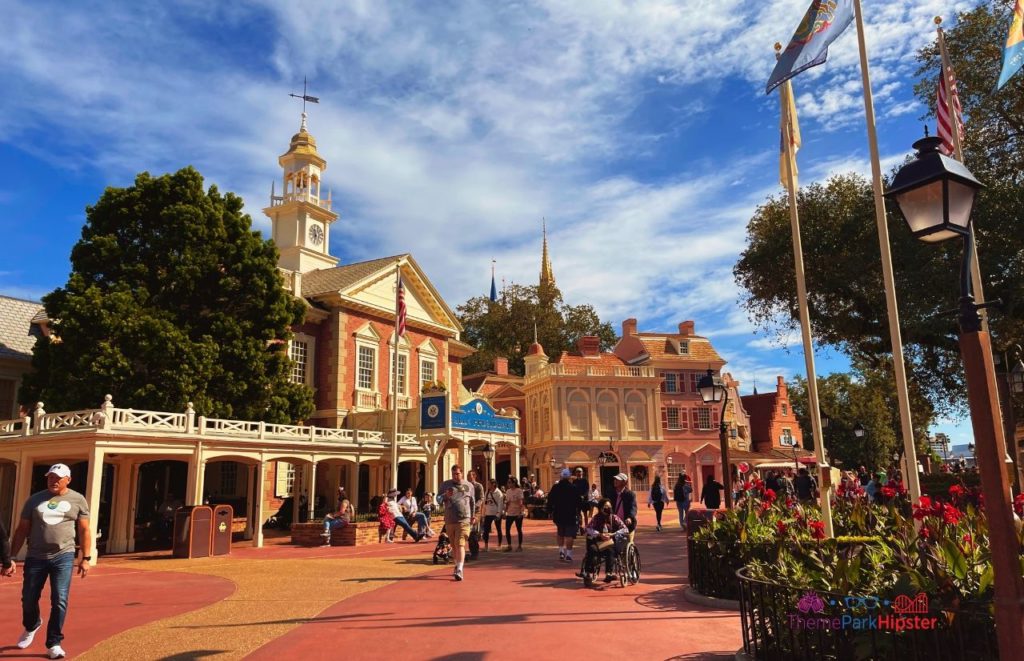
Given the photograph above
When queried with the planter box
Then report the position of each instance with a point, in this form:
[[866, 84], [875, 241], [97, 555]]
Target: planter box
[[354, 534]]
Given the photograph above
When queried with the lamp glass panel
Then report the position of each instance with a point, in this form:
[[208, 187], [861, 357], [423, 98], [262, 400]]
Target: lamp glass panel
[[922, 206], [961, 200]]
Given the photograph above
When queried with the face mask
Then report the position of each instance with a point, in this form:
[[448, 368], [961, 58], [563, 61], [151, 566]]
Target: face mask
[[607, 511]]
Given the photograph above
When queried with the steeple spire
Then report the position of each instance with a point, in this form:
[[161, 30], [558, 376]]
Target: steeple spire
[[547, 275], [494, 287]]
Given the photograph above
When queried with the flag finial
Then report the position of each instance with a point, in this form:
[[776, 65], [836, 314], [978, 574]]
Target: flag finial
[[938, 20], [778, 47]]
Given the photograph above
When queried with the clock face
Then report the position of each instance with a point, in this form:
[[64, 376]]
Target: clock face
[[316, 235]]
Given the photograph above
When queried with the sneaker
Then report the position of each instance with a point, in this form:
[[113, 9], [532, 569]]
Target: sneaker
[[561, 554], [57, 652], [458, 574], [568, 557], [27, 637], [507, 549], [417, 538], [609, 578]]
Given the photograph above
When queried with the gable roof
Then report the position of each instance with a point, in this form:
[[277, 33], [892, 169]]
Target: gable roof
[[17, 333], [603, 359], [349, 281], [658, 347]]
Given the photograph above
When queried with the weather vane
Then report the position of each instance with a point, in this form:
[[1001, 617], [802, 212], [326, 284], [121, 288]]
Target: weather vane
[[305, 97]]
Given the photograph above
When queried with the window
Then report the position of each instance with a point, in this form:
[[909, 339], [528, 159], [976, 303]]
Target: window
[[607, 413], [704, 418], [694, 376], [673, 418], [670, 382], [785, 410], [366, 366], [684, 347], [547, 419], [787, 438], [428, 370], [636, 418], [579, 414], [536, 421], [734, 433], [285, 482], [299, 352], [403, 369]]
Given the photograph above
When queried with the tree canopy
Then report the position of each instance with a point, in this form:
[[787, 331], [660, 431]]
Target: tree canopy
[[506, 328], [172, 298], [866, 397], [841, 254]]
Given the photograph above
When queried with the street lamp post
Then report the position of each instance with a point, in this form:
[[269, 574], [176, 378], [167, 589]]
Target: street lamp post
[[488, 453], [936, 194], [712, 390]]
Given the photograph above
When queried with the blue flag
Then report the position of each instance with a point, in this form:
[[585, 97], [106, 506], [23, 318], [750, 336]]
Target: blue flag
[[1013, 54], [824, 21], [494, 290]]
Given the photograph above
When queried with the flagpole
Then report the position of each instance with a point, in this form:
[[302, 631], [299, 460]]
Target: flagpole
[[958, 153], [394, 382], [909, 449], [814, 412]]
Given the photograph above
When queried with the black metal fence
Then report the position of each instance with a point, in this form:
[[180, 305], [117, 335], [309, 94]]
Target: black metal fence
[[784, 623], [710, 572]]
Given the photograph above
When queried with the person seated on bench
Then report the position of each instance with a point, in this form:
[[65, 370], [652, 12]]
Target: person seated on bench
[[605, 527], [338, 519]]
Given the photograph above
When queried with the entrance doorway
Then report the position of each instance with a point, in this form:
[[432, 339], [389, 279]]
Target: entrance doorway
[[706, 473], [161, 490], [608, 473]]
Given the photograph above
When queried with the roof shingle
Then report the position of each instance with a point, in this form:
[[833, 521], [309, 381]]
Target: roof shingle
[[335, 279], [17, 334]]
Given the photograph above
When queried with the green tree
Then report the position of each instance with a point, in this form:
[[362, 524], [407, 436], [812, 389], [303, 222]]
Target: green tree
[[172, 298], [844, 279], [864, 396], [506, 328]]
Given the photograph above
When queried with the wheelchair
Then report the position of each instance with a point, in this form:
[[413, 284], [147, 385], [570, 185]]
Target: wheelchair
[[625, 564]]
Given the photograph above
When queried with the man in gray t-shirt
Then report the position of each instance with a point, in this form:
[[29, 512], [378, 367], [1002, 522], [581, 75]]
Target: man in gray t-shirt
[[459, 499], [49, 521]]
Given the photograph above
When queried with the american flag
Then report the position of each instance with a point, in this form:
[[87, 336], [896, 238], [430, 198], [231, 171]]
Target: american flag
[[945, 124], [400, 307]]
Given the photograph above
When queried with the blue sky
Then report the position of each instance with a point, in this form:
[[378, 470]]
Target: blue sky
[[639, 129]]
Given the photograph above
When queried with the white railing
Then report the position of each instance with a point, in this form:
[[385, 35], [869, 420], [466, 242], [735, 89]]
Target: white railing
[[108, 418], [591, 370], [300, 196], [159, 421], [404, 402], [367, 400]]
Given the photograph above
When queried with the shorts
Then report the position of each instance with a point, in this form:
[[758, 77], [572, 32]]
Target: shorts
[[458, 533], [567, 531]]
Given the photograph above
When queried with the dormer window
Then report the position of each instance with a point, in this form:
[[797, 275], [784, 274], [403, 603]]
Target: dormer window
[[785, 409], [684, 347]]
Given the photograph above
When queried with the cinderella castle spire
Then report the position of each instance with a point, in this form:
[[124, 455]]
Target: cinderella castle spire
[[547, 275]]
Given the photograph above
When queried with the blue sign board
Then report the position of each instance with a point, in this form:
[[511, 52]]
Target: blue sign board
[[433, 412], [478, 415]]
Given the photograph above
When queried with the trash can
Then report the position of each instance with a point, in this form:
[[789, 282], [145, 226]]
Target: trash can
[[223, 516], [697, 519], [193, 531]]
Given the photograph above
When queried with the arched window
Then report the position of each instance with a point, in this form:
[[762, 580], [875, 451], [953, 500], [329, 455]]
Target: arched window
[[607, 413], [636, 415], [579, 414]]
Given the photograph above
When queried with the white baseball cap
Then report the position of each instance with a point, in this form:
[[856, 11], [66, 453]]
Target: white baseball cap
[[566, 472], [60, 470], [622, 477]]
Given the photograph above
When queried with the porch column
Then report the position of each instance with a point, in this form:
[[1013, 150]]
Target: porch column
[[492, 465], [257, 496], [250, 501], [117, 540], [352, 487], [311, 492], [430, 478], [93, 489], [22, 489], [194, 483], [515, 462], [300, 477], [133, 505]]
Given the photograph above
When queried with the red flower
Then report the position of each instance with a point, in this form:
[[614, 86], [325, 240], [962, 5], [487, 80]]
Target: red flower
[[925, 532], [780, 526], [817, 529], [957, 491], [888, 492], [769, 496], [923, 508], [968, 539], [1018, 505], [790, 502], [951, 515]]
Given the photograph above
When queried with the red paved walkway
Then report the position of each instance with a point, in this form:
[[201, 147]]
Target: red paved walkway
[[520, 606], [112, 599]]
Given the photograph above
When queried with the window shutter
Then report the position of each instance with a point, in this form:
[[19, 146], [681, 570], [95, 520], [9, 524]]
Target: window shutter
[[714, 418], [281, 481], [694, 417], [664, 417], [683, 422], [663, 380]]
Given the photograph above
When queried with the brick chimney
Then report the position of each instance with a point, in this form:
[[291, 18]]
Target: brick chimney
[[501, 366], [780, 386], [589, 345], [686, 328], [628, 327]]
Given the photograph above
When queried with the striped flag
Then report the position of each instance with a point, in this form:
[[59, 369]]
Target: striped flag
[[947, 104], [787, 153], [400, 308], [1013, 53]]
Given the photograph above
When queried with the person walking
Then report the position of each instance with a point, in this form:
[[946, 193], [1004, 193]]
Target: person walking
[[49, 521], [459, 499], [658, 497], [563, 503], [624, 501], [711, 494], [804, 486], [515, 508], [682, 494], [494, 506], [582, 486]]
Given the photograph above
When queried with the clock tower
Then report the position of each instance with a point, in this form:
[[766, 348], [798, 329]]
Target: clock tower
[[301, 217]]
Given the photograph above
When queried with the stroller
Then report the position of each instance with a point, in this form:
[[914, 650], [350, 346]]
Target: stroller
[[443, 550]]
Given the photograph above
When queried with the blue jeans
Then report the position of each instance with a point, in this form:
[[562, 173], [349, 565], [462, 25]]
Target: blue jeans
[[36, 571], [333, 523], [404, 525]]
